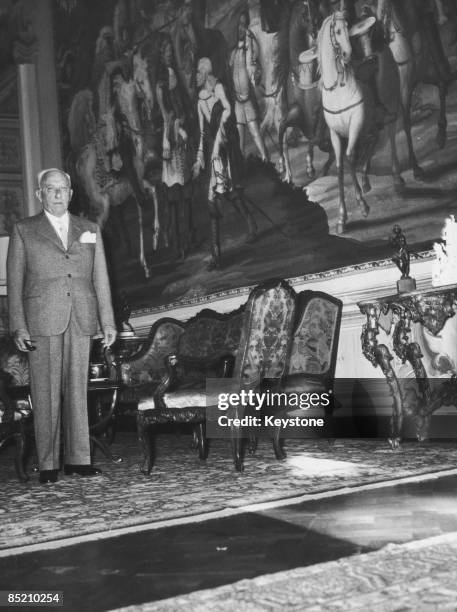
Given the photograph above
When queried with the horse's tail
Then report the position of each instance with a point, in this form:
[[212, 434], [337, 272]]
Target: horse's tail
[[81, 120]]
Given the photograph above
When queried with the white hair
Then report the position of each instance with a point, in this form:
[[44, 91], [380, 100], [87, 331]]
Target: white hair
[[43, 173]]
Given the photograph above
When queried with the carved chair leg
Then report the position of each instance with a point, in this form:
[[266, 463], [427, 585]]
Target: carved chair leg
[[194, 443], [202, 442], [252, 444], [329, 426], [145, 442], [278, 444], [20, 455], [237, 448], [29, 444]]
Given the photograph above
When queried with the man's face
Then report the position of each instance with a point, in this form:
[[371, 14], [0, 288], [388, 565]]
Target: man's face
[[167, 54], [55, 193], [242, 27], [201, 76], [186, 14]]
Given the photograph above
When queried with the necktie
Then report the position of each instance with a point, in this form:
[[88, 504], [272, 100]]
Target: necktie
[[63, 234]]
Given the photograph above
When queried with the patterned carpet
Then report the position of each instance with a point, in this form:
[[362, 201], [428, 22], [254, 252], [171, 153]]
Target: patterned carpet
[[182, 486], [416, 577]]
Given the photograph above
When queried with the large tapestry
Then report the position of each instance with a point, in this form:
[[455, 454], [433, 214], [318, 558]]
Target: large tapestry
[[218, 143]]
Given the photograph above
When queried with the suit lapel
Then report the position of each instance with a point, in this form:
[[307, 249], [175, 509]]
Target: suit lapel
[[74, 230], [45, 229]]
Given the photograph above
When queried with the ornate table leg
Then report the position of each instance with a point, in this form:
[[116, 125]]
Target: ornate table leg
[[99, 428], [19, 437], [416, 404], [236, 440], [202, 443], [379, 355], [142, 423]]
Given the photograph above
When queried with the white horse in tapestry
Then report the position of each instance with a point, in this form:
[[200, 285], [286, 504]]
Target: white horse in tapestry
[[345, 110]]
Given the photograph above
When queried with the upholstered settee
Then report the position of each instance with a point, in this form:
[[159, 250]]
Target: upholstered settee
[[168, 377]]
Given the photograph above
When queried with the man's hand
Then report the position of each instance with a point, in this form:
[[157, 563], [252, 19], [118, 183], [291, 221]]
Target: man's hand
[[199, 164], [109, 336], [256, 75], [166, 150], [19, 337], [182, 132]]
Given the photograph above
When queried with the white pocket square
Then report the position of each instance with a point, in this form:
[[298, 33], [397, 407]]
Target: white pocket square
[[88, 238]]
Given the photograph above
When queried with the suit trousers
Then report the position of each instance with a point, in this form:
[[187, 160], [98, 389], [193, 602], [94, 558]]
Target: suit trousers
[[58, 382]]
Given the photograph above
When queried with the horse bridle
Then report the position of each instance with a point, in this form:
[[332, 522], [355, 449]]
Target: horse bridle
[[338, 55]]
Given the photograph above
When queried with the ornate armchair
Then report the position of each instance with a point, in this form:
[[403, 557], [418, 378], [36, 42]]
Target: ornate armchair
[[264, 345], [15, 408], [312, 358]]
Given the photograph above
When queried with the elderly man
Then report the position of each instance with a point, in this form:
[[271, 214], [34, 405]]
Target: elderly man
[[58, 291]]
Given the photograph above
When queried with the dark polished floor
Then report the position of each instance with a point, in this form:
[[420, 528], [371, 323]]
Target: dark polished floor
[[160, 563]]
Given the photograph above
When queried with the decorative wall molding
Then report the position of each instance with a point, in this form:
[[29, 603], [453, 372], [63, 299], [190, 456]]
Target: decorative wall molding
[[10, 145], [11, 191], [3, 315], [25, 42], [9, 106], [11, 203], [350, 283]]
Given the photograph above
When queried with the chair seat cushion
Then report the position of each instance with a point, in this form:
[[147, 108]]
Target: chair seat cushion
[[186, 398], [299, 383]]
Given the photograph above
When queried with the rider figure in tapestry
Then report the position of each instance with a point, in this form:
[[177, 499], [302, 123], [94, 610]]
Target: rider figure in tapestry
[[246, 74], [220, 154]]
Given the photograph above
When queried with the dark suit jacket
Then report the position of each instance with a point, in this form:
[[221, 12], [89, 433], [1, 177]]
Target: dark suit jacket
[[47, 284]]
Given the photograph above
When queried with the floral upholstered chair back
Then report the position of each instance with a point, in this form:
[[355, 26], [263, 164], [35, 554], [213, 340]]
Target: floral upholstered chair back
[[315, 340], [14, 369], [14, 362], [210, 335], [266, 333]]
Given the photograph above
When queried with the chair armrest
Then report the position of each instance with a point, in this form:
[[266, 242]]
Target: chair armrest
[[182, 369], [227, 363], [187, 372], [5, 399]]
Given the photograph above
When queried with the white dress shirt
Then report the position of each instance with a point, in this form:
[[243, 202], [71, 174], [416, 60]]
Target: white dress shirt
[[60, 224]]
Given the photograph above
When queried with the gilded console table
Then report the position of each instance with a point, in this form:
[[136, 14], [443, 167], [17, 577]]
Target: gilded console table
[[430, 309]]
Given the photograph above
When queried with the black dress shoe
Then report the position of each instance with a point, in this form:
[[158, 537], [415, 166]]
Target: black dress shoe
[[47, 476], [82, 470]]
